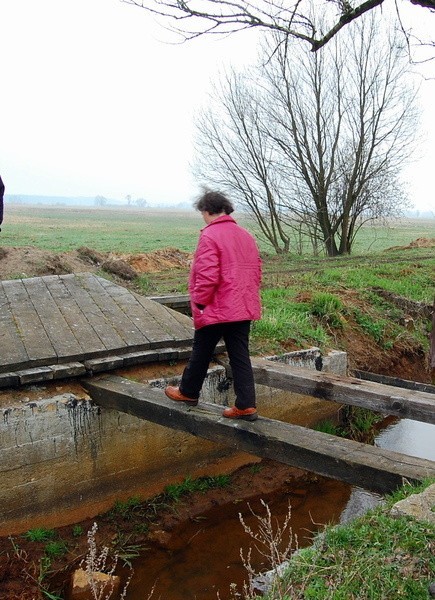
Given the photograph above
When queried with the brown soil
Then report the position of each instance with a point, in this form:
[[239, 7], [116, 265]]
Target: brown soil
[[418, 243], [28, 261], [20, 558]]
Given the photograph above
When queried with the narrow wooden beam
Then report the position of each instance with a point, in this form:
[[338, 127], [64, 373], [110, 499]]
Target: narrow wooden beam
[[395, 381], [386, 399], [355, 463]]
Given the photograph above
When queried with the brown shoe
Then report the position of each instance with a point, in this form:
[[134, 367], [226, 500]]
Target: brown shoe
[[248, 414], [174, 393]]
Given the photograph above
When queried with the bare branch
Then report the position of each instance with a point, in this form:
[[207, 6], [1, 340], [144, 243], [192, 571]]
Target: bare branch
[[193, 18]]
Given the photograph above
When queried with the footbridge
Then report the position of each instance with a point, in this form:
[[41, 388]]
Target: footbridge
[[356, 463], [77, 326]]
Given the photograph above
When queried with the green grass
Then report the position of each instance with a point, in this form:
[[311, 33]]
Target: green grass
[[376, 328], [126, 509], [40, 534], [62, 229], [328, 308], [77, 531], [176, 491], [55, 548], [410, 279], [374, 557], [356, 423], [279, 325], [131, 230]]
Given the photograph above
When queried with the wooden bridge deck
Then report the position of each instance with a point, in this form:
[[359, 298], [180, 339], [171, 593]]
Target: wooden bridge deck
[[59, 319]]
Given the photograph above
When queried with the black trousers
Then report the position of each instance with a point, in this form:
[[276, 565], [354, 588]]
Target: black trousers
[[236, 338]]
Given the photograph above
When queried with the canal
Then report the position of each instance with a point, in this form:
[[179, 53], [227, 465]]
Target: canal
[[203, 558]]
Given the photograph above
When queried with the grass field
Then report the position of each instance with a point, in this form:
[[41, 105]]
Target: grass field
[[307, 300], [131, 230]]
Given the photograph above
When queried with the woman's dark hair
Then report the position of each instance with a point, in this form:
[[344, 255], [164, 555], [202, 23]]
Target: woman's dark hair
[[214, 203]]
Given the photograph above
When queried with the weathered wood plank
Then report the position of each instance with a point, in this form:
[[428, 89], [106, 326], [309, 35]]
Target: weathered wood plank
[[96, 318], [389, 400], [161, 326], [57, 329], [132, 337], [79, 325], [30, 329], [185, 322], [143, 320], [177, 301], [358, 464], [395, 381], [12, 350]]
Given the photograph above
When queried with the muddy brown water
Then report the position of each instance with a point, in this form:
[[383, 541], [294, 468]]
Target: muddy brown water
[[203, 556]]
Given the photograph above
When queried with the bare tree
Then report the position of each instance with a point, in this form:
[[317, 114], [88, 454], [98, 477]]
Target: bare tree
[[328, 132], [234, 153], [344, 121], [192, 18]]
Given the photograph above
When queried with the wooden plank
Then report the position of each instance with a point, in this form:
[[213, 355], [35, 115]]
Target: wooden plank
[[358, 464], [12, 350], [395, 381], [130, 303], [57, 329], [185, 321], [132, 337], [389, 400], [33, 335], [164, 317], [96, 318], [157, 329], [77, 321], [177, 301]]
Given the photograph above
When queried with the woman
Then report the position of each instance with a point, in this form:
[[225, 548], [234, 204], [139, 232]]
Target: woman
[[224, 286]]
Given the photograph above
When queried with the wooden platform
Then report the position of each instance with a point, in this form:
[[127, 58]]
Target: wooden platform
[[71, 320]]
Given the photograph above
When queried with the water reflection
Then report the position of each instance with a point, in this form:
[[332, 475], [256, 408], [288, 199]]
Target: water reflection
[[360, 502], [404, 436], [409, 437]]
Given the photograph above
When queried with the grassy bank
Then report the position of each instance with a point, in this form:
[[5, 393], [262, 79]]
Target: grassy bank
[[375, 557]]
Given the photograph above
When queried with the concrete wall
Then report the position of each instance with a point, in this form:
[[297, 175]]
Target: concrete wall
[[63, 459]]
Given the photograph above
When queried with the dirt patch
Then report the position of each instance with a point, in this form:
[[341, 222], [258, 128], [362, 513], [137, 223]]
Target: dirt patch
[[418, 243], [28, 261], [406, 359], [159, 260]]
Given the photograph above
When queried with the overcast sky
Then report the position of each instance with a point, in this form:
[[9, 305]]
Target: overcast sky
[[94, 101]]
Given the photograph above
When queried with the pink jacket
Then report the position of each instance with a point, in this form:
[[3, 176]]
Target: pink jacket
[[225, 275]]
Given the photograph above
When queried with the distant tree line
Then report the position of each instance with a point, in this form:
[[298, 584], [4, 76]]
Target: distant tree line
[[138, 202]]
